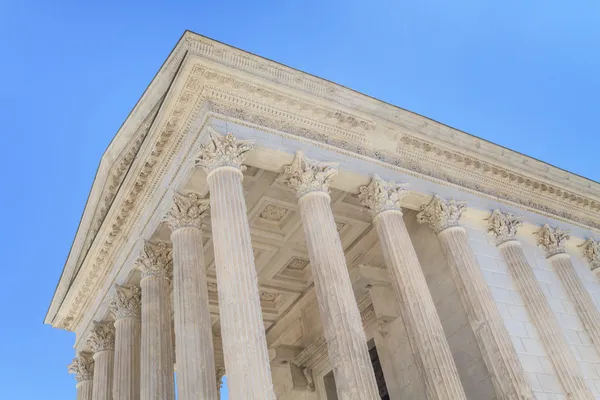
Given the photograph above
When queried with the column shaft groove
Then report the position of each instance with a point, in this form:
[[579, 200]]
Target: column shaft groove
[[242, 326], [551, 335], [578, 294], [425, 331], [103, 375], [157, 369], [492, 337], [84, 390], [127, 359], [346, 339], [193, 328]]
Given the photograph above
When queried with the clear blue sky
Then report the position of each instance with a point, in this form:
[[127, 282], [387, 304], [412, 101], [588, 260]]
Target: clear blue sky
[[525, 76]]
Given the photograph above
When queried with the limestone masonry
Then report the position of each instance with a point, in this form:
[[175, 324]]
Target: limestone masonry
[[311, 243]]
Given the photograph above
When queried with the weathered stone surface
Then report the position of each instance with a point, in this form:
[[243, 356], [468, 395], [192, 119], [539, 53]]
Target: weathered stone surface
[[346, 340], [83, 368], [425, 332], [126, 307], [496, 347], [193, 328], [504, 226], [156, 359], [242, 328]]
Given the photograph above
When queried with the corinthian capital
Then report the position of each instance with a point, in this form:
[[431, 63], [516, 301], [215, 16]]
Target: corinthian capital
[[156, 259], [126, 302], [504, 226], [379, 195], [440, 214], [223, 151], [82, 367], [552, 240], [187, 211], [305, 175], [102, 336], [591, 253]]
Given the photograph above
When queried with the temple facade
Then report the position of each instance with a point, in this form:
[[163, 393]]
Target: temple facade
[[309, 242]]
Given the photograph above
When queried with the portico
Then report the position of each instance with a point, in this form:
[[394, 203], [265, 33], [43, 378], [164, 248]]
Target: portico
[[312, 243]]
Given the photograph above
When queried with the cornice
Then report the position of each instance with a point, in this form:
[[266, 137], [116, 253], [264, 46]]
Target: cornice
[[233, 85]]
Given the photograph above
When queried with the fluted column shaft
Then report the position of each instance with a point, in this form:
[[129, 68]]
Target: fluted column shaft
[[551, 335], [420, 316], [157, 369], [242, 328], [193, 328], [84, 390], [579, 295], [103, 375], [492, 337], [127, 359], [342, 325]]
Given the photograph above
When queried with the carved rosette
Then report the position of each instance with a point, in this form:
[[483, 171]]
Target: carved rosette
[[156, 259], [187, 211], [552, 240], [82, 367], [379, 195], [504, 226], [102, 336], [305, 175], [591, 253], [126, 302], [440, 214], [223, 151]]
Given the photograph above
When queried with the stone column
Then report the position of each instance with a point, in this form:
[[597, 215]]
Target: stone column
[[83, 368], [242, 327], [126, 307], [156, 360], [425, 331], [102, 343], [553, 242], [498, 352], [346, 339], [193, 327], [505, 226]]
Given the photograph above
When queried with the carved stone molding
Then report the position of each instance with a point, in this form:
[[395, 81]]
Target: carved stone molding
[[552, 240], [380, 195], [591, 253], [187, 210], [82, 366], [223, 151], [102, 336], [440, 214], [126, 302], [504, 226], [156, 259], [305, 175]]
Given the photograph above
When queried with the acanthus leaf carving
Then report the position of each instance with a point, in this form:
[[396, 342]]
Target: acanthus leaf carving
[[552, 240], [591, 253], [304, 175], [126, 302], [102, 336], [223, 151], [380, 195], [187, 211], [504, 226], [440, 214], [156, 259], [82, 367]]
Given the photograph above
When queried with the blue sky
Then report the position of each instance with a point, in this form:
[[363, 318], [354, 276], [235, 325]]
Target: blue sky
[[522, 75]]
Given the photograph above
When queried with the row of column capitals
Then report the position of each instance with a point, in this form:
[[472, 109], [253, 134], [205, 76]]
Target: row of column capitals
[[102, 336], [504, 226], [82, 367], [187, 211], [440, 214], [552, 240]]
